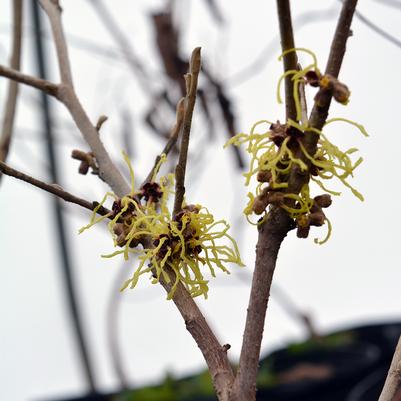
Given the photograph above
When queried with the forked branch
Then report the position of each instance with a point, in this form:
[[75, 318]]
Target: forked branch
[[278, 223]]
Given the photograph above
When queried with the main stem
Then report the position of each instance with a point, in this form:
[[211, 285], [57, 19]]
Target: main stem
[[271, 235], [278, 223]]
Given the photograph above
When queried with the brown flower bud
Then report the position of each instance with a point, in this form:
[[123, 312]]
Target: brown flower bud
[[302, 221], [341, 92], [275, 198], [278, 132], [303, 232], [312, 78], [323, 200], [83, 167], [317, 219], [264, 176], [259, 205]]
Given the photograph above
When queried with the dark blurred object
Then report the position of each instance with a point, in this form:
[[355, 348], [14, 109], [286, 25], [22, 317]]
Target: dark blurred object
[[347, 365], [213, 95]]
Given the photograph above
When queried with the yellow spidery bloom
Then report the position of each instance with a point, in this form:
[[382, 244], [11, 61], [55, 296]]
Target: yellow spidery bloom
[[178, 247], [276, 150]]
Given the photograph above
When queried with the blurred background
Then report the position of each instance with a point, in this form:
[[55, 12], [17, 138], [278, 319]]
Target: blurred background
[[127, 59]]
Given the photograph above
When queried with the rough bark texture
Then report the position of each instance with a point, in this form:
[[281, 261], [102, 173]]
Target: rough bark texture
[[271, 235], [214, 353]]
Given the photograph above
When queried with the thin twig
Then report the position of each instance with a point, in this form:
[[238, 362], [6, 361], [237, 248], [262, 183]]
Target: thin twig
[[52, 188], [392, 387], [124, 45], [376, 28], [320, 110], [290, 59], [192, 83], [46, 86], [11, 100], [174, 134]]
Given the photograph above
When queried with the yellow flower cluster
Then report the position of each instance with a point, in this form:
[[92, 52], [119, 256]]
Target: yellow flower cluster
[[275, 149], [170, 248]]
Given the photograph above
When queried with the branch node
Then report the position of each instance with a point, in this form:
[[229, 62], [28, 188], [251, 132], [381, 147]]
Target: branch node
[[87, 160], [100, 121], [226, 347]]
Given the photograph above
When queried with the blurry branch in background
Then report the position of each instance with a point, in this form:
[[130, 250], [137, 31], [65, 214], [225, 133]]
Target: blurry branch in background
[[381, 32], [390, 3], [215, 11], [112, 327], [11, 99], [124, 45], [128, 133], [167, 41], [257, 66], [392, 387], [294, 311]]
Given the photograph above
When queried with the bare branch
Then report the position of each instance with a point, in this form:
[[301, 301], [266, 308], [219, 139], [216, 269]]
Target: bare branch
[[46, 86], [337, 51], [376, 28], [192, 83], [107, 170], [125, 46], [11, 100], [271, 234], [53, 10], [215, 354], [289, 60], [320, 110], [392, 387], [52, 188]]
